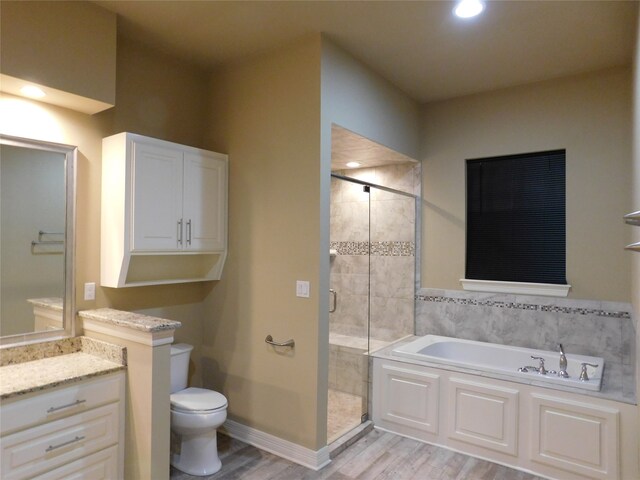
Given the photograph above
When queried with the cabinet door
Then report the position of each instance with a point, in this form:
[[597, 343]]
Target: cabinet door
[[578, 437], [205, 202], [156, 222], [404, 397], [483, 414]]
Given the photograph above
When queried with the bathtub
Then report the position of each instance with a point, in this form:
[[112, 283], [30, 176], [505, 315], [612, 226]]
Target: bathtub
[[502, 359]]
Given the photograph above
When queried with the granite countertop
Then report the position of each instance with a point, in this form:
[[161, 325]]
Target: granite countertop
[[136, 321], [38, 366], [613, 388], [54, 303]]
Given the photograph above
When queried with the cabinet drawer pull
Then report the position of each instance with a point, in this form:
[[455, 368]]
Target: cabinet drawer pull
[[51, 448], [189, 232], [180, 232], [68, 405]]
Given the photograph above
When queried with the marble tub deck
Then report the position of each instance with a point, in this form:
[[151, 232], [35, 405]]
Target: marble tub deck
[[39, 366]]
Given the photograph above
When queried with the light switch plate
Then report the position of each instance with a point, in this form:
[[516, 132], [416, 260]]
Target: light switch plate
[[90, 291], [302, 289]]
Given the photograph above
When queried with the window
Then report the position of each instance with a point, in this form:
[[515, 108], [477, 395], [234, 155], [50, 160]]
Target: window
[[516, 218]]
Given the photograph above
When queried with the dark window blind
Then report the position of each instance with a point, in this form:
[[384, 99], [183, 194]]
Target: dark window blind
[[516, 218]]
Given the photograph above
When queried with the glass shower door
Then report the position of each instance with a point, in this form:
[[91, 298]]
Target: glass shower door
[[349, 319], [392, 266]]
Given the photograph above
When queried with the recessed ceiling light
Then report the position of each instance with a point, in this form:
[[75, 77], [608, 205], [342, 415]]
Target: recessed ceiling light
[[469, 8], [353, 164], [32, 91]]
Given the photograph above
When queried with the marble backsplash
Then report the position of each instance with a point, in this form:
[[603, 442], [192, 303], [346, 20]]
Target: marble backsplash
[[603, 329]]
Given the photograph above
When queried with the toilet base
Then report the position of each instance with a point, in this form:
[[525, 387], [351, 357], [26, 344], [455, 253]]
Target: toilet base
[[198, 454]]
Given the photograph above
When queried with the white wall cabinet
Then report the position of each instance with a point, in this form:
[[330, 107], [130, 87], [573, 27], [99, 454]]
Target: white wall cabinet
[[71, 432], [164, 212], [551, 433]]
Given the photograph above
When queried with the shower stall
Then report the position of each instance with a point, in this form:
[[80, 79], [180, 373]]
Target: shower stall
[[372, 280]]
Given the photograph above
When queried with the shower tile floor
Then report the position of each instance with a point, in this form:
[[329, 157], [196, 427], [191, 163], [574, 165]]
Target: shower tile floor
[[343, 413]]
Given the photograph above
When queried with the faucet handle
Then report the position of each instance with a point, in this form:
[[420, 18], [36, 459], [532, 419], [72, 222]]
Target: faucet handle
[[541, 369], [560, 348], [583, 372]]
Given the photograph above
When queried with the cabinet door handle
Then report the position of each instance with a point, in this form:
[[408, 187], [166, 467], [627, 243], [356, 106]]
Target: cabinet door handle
[[51, 448], [68, 405], [180, 232], [189, 232]]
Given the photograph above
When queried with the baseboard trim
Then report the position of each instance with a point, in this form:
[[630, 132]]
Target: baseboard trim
[[313, 459]]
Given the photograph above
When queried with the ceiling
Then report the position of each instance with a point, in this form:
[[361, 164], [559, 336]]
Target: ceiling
[[417, 45], [347, 146]]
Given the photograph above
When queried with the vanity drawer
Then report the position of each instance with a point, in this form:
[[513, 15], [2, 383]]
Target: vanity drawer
[[33, 451], [102, 465], [44, 407]]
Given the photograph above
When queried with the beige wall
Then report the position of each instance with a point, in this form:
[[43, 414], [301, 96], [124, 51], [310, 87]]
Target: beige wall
[[589, 116], [635, 205], [356, 98], [69, 46], [156, 96], [266, 116]]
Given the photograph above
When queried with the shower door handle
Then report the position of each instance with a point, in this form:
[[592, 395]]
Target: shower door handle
[[334, 302]]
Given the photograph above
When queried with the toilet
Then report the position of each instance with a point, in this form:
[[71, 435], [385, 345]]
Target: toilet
[[196, 414]]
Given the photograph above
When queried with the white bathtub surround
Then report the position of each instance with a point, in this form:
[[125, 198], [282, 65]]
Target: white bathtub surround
[[504, 360], [584, 327], [553, 432]]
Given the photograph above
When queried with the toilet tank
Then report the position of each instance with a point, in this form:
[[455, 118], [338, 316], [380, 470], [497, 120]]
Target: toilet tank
[[180, 353]]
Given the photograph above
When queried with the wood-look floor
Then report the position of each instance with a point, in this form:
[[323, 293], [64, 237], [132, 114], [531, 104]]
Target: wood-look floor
[[377, 455]]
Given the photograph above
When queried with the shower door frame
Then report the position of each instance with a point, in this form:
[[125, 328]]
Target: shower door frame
[[416, 271]]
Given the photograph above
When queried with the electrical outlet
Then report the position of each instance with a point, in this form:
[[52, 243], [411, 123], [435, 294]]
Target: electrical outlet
[[90, 291]]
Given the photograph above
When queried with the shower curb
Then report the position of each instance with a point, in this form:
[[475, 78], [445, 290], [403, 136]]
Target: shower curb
[[349, 438]]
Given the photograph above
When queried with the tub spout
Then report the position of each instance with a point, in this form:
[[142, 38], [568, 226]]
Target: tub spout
[[562, 372]]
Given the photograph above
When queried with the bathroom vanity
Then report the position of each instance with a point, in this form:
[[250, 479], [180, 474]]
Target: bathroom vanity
[[62, 411]]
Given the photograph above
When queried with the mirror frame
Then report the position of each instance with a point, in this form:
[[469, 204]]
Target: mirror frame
[[68, 311]]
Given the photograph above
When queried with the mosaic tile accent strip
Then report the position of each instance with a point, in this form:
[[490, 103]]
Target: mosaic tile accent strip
[[523, 306], [393, 249], [350, 248], [381, 249]]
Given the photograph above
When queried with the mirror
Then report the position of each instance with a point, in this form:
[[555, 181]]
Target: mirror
[[37, 217]]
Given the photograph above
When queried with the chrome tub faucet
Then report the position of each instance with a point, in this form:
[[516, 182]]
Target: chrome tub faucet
[[562, 372]]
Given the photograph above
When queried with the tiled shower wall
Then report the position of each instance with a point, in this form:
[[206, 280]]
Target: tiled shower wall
[[603, 329], [387, 229]]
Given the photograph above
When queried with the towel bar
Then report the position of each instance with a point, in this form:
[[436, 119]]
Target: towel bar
[[288, 343]]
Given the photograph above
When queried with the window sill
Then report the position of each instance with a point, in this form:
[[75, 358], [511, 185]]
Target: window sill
[[493, 286]]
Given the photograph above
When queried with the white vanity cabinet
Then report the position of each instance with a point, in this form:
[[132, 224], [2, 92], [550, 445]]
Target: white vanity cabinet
[[76, 431], [164, 212]]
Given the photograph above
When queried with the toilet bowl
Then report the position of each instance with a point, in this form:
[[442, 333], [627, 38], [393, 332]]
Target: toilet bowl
[[196, 414]]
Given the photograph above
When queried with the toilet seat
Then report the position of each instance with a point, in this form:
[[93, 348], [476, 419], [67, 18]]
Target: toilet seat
[[197, 400]]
